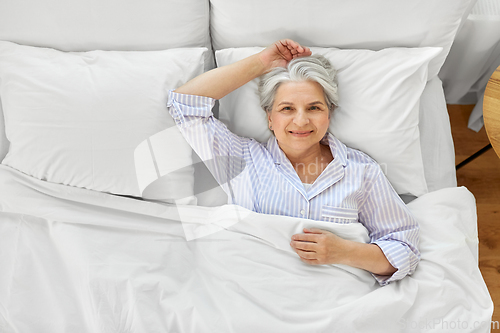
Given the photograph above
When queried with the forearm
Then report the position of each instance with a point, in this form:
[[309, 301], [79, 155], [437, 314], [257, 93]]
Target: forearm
[[219, 82], [368, 257]]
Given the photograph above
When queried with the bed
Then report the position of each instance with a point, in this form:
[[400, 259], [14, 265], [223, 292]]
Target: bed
[[110, 222]]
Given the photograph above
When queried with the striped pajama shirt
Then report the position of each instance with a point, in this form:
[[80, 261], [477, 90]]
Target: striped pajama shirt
[[352, 188]]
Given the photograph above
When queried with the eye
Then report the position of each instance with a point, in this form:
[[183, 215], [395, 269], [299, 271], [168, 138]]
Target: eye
[[286, 108]]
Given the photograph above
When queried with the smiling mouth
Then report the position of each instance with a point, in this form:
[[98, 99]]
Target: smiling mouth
[[300, 133]]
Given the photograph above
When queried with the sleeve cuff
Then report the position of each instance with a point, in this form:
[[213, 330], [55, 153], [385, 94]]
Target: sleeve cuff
[[399, 257], [183, 105], [191, 105]]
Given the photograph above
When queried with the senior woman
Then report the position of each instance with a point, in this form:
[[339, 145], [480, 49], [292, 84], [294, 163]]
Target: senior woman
[[302, 171]]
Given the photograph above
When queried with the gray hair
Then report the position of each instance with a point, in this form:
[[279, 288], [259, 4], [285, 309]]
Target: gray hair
[[314, 68]]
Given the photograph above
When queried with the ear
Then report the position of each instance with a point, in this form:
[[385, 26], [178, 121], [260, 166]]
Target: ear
[[332, 109], [269, 121]]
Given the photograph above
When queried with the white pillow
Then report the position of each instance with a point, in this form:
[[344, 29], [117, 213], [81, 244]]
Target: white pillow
[[378, 111], [75, 25], [361, 24], [75, 118], [436, 141]]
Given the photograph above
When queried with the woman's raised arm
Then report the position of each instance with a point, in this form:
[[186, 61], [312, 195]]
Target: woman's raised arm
[[219, 82]]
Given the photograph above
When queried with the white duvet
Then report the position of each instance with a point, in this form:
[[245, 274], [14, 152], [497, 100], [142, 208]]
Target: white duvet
[[75, 260]]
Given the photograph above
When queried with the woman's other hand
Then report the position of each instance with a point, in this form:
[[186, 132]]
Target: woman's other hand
[[321, 247], [280, 53]]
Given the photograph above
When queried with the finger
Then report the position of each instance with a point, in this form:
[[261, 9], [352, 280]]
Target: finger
[[305, 237], [284, 50], [310, 262], [305, 246], [315, 231], [294, 47], [282, 46], [307, 51], [307, 255], [291, 44]]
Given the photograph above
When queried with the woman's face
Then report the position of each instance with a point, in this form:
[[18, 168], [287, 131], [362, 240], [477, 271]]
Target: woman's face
[[299, 117]]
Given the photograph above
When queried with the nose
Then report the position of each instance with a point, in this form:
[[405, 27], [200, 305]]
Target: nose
[[301, 118]]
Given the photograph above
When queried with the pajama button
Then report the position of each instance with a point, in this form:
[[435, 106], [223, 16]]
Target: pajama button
[[302, 212]]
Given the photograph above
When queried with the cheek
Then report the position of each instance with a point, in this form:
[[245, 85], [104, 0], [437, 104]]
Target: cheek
[[323, 121], [278, 120]]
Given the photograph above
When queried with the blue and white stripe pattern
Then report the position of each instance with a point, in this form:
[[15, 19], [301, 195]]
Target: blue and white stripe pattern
[[352, 187]]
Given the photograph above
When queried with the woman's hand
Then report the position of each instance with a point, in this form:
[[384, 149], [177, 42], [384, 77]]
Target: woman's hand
[[280, 53], [220, 81], [320, 247]]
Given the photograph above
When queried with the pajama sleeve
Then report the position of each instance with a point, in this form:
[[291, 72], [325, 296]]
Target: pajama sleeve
[[221, 150], [391, 225]]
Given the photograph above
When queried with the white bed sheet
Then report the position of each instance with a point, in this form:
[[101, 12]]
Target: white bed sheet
[[75, 260]]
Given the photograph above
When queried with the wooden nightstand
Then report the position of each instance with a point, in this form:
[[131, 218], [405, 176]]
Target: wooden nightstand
[[491, 110]]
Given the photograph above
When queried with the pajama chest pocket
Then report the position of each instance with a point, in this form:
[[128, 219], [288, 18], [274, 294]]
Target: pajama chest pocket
[[339, 214]]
